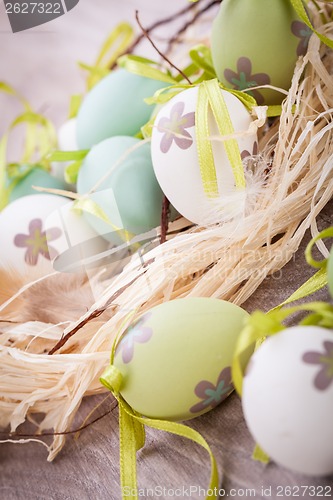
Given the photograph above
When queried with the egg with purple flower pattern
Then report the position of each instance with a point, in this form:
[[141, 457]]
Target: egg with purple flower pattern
[[288, 399], [175, 360], [176, 159]]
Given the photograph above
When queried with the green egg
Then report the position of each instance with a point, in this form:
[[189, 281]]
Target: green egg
[[330, 272], [115, 106], [130, 196], [175, 360], [37, 177], [257, 42]]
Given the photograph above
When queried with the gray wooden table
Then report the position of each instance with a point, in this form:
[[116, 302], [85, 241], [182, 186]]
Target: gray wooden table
[[41, 64]]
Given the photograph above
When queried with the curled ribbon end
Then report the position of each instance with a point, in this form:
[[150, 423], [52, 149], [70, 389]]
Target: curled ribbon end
[[112, 379]]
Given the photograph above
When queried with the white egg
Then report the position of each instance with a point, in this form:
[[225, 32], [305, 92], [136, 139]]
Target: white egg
[[175, 157], [67, 136], [66, 142], [80, 247], [43, 233], [26, 244], [288, 399]]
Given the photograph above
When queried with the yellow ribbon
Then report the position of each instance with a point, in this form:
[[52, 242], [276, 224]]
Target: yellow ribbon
[[40, 138], [131, 437], [116, 44], [132, 429], [301, 12]]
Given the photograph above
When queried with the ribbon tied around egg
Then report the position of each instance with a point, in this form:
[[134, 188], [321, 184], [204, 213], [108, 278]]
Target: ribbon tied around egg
[[132, 434]]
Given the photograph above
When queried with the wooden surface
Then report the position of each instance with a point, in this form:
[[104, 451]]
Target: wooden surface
[[41, 64]]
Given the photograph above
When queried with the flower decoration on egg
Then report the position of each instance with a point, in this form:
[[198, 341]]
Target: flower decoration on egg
[[36, 242], [212, 395], [303, 32], [324, 377], [175, 126], [245, 153], [244, 80], [137, 333]]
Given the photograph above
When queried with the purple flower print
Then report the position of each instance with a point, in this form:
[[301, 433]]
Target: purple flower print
[[324, 377], [174, 128], [36, 242], [211, 394], [245, 153], [137, 332], [303, 32], [244, 80]]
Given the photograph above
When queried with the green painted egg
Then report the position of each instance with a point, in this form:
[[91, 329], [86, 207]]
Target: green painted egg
[[130, 195], [330, 272], [175, 360], [115, 106], [257, 42], [37, 177]]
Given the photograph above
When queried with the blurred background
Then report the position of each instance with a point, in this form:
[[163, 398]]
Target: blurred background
[[41, 63]]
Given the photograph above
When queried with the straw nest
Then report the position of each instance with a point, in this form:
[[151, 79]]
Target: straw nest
[[289, 182]]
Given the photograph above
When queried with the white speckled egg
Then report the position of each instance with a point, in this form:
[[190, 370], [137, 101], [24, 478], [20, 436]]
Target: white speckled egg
[[288, 399], [175, 157]]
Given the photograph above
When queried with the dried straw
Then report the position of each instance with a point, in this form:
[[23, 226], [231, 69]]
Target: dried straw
[[228, 261]]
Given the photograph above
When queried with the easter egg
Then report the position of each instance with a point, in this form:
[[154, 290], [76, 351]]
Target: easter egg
[[257, 43], [288, 399], [137, 201], [37, 177], [66, 142], [115, 106], [330, 272], [175, 359], [80, 247], [26, 244], [175, 156]]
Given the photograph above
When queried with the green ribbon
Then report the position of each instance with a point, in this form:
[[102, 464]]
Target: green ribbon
[[211, 98], [116, 44], [299, 8], [40, 137], [132, 430]]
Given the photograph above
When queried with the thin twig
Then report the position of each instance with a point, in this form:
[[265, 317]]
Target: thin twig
[[155, 25], [189, 23], [164, 219], [144, 31], [95, 314]]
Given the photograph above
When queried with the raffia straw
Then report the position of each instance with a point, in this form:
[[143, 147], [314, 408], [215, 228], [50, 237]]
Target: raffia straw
[[228, 261]]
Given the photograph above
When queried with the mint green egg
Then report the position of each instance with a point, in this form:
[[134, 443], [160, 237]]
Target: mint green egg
[[115, 106], [257, 42], [37, 177], [330, 272], [130, 196], [175, 360]]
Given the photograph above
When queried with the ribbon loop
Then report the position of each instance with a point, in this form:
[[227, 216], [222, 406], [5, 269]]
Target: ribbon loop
[[112, 379]]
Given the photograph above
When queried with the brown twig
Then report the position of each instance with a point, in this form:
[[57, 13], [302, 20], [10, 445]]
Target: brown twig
[[64, 433], [189, 23], [144, 31], [164, 219], [155, 25], [95, 314]]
